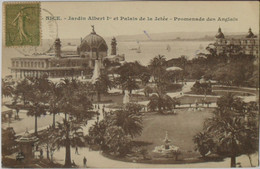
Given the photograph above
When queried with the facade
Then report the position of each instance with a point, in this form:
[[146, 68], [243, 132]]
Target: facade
[[247, 45], [63, 61]]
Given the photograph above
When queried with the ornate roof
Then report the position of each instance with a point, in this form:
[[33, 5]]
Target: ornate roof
[[93, 40], [219, 34], [250, 34]]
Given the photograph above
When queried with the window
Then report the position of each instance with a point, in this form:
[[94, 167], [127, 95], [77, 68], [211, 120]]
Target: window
[[35, 64], [42, 64], [13, 63], [31, 64], [39, 64], [21, 64], [17, 64]]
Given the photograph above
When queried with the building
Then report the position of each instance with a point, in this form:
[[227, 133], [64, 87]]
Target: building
[[63, 61], [114, 57], [246, 45]]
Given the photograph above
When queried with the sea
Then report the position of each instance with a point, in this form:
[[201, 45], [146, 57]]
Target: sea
[[170, 49], [142, 52]]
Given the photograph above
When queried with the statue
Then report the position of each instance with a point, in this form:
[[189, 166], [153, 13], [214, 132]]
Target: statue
[[167, 141], [126, 98], [93, 29]]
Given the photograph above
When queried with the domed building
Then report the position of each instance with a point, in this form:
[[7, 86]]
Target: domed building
[[247, 45], [62, 61], [93, 47]]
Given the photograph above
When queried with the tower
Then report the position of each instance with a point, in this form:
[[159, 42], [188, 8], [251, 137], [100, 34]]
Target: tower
[[113, 46], [57, 45]]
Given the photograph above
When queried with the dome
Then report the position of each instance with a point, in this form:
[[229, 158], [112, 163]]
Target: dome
[[219, 34], [93, 41], [250, 34]]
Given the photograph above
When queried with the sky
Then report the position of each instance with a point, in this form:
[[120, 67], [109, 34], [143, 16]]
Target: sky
[[247, 14]]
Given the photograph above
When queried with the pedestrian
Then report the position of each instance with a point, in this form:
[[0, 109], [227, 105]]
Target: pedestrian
[[95, 106], [98, 107], [76, 150], [85, 162]]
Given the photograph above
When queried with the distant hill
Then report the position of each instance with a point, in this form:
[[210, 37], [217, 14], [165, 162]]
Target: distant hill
[[170, 36], [173, 36]]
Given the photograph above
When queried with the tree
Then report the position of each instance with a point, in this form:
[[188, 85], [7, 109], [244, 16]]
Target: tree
[[117, 141], [7, 89], [102, 85], [129, 72], [147, 91], [38, 98], [22, 89], [129, 121], [77, 107], [156, 102], [144, 152], [48, 138], [157, 68], [130, 85], [145, 77], [67, 134], [8, 140], [230, 128], [204, 143], [54, 95], [161, 101]]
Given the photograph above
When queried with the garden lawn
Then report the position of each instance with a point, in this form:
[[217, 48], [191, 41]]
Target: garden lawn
[[181, 129], [193, 99]]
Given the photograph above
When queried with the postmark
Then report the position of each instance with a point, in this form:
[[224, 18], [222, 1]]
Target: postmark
[[22, 24]]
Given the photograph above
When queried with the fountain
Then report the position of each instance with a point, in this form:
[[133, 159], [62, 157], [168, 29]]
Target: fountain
[[166, 147]]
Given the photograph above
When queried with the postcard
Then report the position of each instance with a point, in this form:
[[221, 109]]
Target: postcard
[[130, 84]]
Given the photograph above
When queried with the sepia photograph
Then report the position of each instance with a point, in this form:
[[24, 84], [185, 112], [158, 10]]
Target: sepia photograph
[[130, 84]]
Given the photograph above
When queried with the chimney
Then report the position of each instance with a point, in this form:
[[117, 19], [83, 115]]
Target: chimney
[[57, 47]]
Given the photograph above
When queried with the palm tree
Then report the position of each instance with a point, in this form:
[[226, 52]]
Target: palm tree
[[157, 67], [37, 98], [54, 96], [229, 130], [204, 143], [47, 138], [7, 89], [130, 85], [22, 89], [130, 122], [68, 134], [74, 102], [102, 85], [229, 127]]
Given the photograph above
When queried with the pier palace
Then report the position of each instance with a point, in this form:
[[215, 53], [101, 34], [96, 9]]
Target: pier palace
[[68, 60]]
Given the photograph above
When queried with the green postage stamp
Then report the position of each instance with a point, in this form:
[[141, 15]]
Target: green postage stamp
[[22, 24]]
